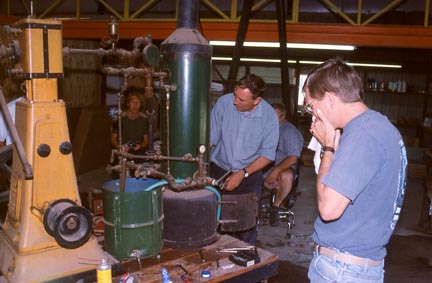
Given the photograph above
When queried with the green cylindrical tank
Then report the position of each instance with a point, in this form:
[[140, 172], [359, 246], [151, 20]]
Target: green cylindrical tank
[[186, 56], [133, 219]]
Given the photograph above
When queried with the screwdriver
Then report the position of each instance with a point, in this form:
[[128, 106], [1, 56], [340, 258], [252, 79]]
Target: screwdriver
[[185, 278]]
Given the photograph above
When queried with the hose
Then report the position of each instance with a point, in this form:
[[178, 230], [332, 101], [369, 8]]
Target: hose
[[210, 188]]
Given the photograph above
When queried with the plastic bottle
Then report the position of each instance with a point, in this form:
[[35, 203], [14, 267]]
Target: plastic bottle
[[165, 276]]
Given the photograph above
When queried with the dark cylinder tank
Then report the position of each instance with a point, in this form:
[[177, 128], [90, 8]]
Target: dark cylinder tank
[[186, 56], [190, 216], [190, 219]]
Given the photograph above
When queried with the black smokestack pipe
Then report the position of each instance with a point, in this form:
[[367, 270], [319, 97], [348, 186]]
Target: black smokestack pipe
[[188, 12]]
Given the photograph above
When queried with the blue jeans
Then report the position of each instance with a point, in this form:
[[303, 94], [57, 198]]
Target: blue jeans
[[325, 269]]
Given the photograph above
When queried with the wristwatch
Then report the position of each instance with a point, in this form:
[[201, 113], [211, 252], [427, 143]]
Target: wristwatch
[[246, 173], [326, 148]]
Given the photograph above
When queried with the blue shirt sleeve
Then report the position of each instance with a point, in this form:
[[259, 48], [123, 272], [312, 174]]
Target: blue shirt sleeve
[[271, 137]]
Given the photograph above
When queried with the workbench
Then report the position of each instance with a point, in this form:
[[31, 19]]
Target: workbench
[[194, 261]]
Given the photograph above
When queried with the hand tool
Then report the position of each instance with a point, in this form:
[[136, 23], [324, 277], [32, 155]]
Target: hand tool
[[236, 249], [185, 276]]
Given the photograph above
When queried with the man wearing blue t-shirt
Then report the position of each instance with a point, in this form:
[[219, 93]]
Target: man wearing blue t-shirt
[[361, 178], [282, 175], [244, 132]]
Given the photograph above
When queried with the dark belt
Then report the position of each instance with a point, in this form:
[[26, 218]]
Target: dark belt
[[346, 258]]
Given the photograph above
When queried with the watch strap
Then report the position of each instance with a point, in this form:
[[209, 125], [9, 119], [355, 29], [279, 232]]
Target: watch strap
[[326, 148]]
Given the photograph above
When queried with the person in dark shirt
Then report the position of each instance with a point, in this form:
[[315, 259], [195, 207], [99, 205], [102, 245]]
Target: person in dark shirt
[[134, 126]]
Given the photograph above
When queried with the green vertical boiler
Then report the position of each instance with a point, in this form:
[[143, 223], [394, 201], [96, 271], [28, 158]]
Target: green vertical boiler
[[186, 56]]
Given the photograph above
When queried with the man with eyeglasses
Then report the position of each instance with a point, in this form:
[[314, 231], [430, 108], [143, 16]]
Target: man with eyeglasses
[[361, 178], [244, 132]]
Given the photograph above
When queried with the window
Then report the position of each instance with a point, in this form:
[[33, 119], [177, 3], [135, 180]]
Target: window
[[300, 94]]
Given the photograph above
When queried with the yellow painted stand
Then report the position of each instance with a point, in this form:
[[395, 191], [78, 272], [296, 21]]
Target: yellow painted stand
[[28, 252]]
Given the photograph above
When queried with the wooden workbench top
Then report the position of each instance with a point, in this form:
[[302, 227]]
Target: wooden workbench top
[[192, 261]]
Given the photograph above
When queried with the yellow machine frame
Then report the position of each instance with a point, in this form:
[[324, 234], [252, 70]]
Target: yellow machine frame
[[28, 252]]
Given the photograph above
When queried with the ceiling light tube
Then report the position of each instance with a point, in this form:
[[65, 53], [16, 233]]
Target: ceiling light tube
[[252, 60], [306, 62], [358, 64], [289, 45], [376, 65], [321, 46]]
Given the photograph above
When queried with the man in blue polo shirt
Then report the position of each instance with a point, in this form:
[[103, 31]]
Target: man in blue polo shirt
[[282, 175], [244, 133]]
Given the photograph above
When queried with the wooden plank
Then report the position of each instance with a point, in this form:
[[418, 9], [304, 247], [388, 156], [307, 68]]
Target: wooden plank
[[190, 259]]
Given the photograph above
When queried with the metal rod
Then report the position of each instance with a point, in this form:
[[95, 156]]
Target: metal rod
[[137, 256], [150, 115], [123, 175], [184, 269], [339, 12], [168, 128], [286, 97], [201, 256], [392, 5], [245, 248], [119, 114], [28, 171], [238, 49]]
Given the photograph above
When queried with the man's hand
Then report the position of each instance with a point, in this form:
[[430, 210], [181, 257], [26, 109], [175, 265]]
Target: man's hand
[[234, 180], [323, 130], [272, 181]]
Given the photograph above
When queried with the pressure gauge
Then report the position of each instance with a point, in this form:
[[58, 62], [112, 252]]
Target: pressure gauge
[[201, 148]]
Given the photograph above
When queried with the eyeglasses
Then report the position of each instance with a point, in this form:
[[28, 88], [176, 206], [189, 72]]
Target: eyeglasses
[[308, 107]]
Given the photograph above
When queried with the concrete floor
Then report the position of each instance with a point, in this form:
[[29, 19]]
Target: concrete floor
[[408, 251]]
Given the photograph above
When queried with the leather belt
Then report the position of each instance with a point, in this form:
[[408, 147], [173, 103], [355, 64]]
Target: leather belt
[[346, 258]]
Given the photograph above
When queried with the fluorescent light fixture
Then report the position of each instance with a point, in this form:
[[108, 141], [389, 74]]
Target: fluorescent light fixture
[[310, 62], [321, 46], [289, 45], [260, 60], [358, 64], [306, 62], [221, 58], [376, 65], [221, 43], [252, 60]]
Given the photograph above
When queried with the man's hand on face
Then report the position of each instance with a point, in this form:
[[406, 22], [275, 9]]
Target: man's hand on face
[[322, 129]]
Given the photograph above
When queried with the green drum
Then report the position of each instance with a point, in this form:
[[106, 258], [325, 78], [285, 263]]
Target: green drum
[[133, 218]]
